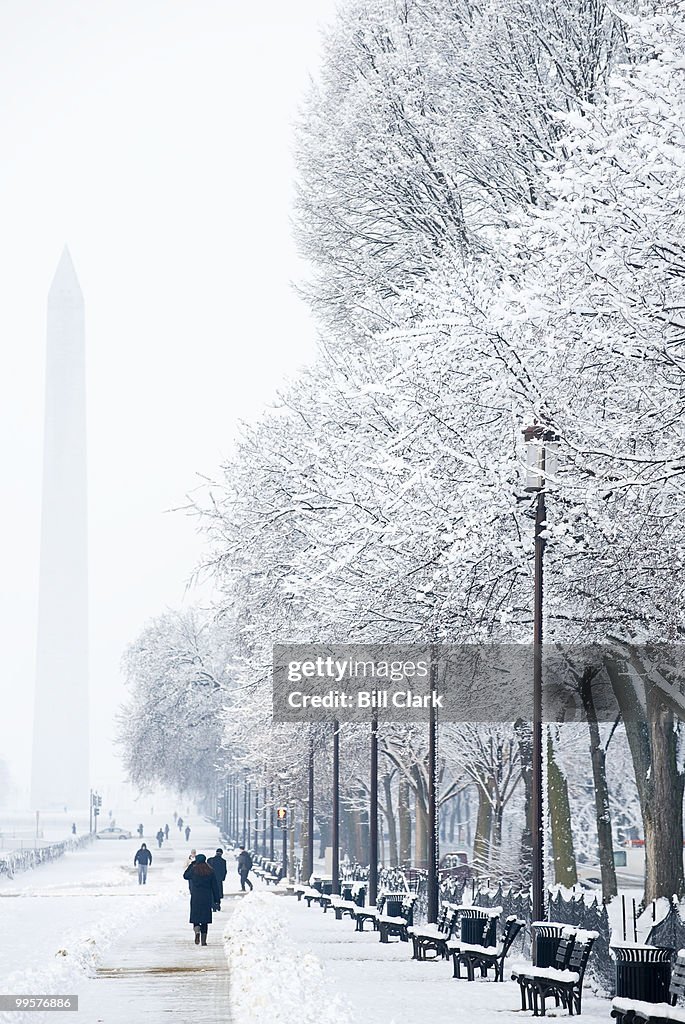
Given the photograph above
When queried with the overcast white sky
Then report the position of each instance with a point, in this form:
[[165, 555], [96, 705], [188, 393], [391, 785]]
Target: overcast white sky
[[154, 138]]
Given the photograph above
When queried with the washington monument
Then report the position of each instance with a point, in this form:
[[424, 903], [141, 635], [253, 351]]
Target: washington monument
[[60, 776]]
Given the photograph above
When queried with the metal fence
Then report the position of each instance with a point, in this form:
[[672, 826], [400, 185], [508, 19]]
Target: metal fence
[[24, 860]]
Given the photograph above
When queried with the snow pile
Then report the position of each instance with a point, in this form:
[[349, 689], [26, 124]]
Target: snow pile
[[271, 982], [78, 957]]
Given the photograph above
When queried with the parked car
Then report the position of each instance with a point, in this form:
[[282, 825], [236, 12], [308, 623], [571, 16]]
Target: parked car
[[455, 864], [113, 832]]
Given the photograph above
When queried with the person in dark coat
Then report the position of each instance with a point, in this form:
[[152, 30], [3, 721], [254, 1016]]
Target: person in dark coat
[[140, 830], [244, 868], [187, 832], [160, 838], [141, 860], [204, 894], [166, 831], [180, 824], [219, 867]]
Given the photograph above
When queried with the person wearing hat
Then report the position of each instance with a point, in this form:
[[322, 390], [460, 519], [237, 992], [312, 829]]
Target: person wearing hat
[[218, 865], [204, 894]]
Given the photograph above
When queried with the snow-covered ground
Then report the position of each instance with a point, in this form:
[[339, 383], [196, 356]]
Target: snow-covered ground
[[323, 971], [57, 920], [288, 964]]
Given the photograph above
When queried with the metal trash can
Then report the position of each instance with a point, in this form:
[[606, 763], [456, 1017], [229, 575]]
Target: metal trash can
[[393, 905], [546, 939], [477, 928], [643, 972]]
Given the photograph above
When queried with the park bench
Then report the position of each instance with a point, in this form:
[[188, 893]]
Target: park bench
[[485, 957], [477, 927], [314, 896], [636, 1011], [305, 892], [364, 914], [564, 981], [433, 938], [396, 915], [341, 906]]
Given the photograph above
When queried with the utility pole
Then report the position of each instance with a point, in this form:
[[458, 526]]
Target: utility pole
[[373, 815]]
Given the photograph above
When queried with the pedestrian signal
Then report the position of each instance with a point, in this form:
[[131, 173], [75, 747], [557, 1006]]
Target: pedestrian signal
[[282, 817]]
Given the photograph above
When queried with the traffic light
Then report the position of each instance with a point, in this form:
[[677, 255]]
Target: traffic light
[[282, 817]]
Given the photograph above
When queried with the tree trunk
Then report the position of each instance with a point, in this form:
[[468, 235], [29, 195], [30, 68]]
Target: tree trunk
[[524, 736], [455, 820], [599, 776], [404, 815], [659, 782], [481, 843], [390, 819], [325, 837], [565, 872], [467, 817], [663, 817], [421, 833]]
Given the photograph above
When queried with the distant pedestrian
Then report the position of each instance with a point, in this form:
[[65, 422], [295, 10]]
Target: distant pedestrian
[[166, 831], [160, 838], [180, 824], [142, 859], [244, 868], [73, 829], [219, 866], [139, 830], [204, 893], [187, 832]]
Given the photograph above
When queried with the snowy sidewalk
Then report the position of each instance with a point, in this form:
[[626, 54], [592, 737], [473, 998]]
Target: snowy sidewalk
[[157, 973]]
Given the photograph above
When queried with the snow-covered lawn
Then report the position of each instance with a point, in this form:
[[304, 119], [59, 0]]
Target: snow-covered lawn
[[290, 964]]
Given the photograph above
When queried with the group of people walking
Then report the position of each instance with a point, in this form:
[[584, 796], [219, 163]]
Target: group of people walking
[[205, 877], [163, 833]]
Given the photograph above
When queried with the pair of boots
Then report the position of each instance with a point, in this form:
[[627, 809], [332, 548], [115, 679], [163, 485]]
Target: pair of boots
[[200, 936]]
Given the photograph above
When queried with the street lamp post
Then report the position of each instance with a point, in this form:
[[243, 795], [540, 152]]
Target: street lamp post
[[541, 462], [433, 852], [335, 828], [373, 816], [310, 808], [245, 837]]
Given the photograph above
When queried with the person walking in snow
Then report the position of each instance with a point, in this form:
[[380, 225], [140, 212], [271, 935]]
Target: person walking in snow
[[187, 832], [139, 830], [160, 838], [166, 831], [73, 829], [204, 894], [219, 867], [180, 824], [142, 860], [244, 868]]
